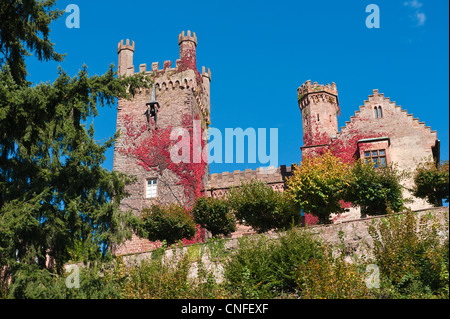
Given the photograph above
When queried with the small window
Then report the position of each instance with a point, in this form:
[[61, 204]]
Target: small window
[[375, 112], [380, 112], [318, 118], [378, 158], [151, 188]]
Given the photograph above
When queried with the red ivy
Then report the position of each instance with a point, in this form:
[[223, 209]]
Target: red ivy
[[151, 149]]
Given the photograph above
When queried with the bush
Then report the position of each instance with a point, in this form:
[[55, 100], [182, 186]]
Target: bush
[[214, 215], [431, 182], [331, 278], [31, 282], [376, 190], [412, 255], [168, 278], [258, 205], [265, 268], [170, 223]]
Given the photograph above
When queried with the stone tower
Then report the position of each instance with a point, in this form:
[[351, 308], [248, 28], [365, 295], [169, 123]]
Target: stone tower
[[142, 149], [320, 107]]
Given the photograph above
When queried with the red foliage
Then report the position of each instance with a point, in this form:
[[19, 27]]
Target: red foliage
[[347, 149], [310, 219], [188, 61], [151, 149]]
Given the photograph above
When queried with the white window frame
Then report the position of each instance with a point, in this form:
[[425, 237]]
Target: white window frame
[[151, 188]]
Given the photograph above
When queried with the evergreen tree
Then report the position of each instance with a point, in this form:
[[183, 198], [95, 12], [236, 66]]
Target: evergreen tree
[[57, 203]]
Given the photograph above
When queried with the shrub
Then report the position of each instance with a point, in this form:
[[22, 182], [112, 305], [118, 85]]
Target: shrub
[[331, 278], [412, 255], [170, 223], [30, 282], [214, 214], [376, 190], [264, 268], [431, 182], [168, 278], [258, 205]]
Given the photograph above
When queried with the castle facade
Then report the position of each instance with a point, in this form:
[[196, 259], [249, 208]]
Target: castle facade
[[380, 131]]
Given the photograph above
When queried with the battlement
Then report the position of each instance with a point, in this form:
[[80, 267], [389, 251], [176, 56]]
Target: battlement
[[308, 88], [206, 73], [188, 37], [125, 45], [270, 175]]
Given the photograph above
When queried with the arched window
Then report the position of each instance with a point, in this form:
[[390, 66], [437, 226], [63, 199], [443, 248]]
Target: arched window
[[380, 112], [375, 112]]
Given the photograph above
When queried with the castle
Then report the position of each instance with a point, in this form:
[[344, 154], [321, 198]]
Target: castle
[[380, 131]]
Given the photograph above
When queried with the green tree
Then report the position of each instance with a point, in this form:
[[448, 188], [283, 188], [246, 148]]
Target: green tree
[[431, 182], [214, 214], [375, 190], [170, 223], [25, 27], [258, 205], [318, 185], [56, 200]]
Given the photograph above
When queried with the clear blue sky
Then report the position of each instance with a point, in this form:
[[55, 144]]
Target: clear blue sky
[[260, 52]]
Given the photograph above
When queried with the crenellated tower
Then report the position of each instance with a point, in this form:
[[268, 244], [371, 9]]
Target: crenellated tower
[[125, 50], [319, 105], [188, 46], [178, 97]]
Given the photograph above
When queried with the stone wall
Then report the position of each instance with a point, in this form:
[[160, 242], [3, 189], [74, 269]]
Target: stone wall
[[355, 232], [355, 235]]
